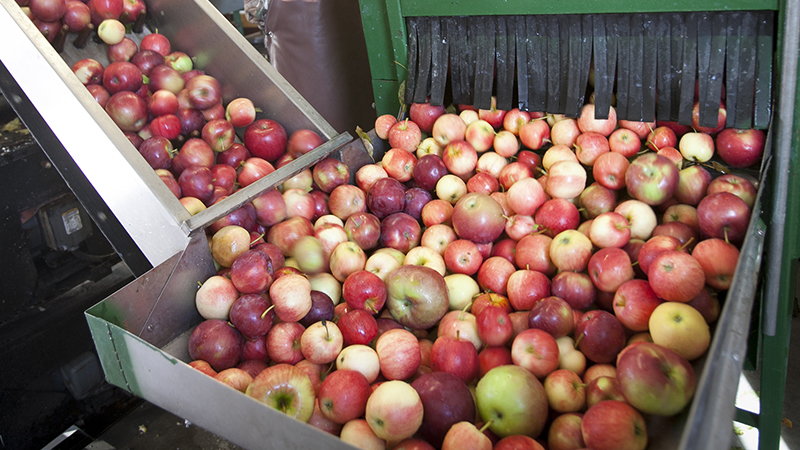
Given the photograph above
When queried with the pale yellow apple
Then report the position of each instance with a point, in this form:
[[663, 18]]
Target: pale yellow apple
[[192, 204], [681, 328], [569, 357], [461, 289], [424, 256]]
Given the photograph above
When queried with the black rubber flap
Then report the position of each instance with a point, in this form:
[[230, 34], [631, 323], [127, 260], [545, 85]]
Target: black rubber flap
[[603, 77], [688, 74], [649, 69], [484, 33], [763, 96], [505, 48], [658, 65], [411, 26], [554, 71], [424, 38], [623, 64], [439, 51], [677, 39], [521, 49], [538, 48]]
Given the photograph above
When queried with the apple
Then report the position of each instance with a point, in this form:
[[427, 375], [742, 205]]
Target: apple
[[661, 137], [460, 325], [399, 354], [360, 358], [564, 132], [461, 289], [534, 134], [394, 411], [455, 356], [346, 200], [415, 199], [382, 125], [535, 350], [357, 432], [736, 185], [697, 146], [386, 197], [609, 170], [469, 115], [601, 389], [322, 308], [600, 336], [417, 296], [640, 217], [570, 250], [494, 326], [448, 127], [740, 148], [565, 432], [569, 357], [553, 315], [652, 179], [614, 425], [575, 288], [723, 215], [302, 141], [566, 179], [163, 76], [625, 142], [480, 135], [634, 302], [478, 218], [446, 400], [610, 229], [587, 121], [343, 395], [122, 50], [217, 343], [364, 290], [655, 380], [526, 196], [718, 259], [111, 31], [460, 158], [676, 276], [203, 367], [505, 144], [565, 391], [235, 378], [525, 288], [265, 139], [483, 182], [450, 188], [680, 328], [466, 435], [285, 388], [493, 163], [425, 115], [512, 400], [405, 135], [399, 164], [693, 184], [589, 146]]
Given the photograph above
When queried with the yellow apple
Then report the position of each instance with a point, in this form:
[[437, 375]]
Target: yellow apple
[[681, 328]]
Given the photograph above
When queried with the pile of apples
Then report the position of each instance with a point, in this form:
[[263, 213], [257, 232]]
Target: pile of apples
[[499, 279], [172, 112]]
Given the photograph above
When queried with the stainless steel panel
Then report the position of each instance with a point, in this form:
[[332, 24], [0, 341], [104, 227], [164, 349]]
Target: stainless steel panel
[[123, 179]]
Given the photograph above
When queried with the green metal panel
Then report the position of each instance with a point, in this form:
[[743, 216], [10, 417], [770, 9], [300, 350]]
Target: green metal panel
[[379, 45], [106, 351], [387, 100], [411, 8]]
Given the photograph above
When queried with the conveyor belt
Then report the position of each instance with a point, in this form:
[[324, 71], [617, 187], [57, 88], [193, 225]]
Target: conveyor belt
[[651, 63]]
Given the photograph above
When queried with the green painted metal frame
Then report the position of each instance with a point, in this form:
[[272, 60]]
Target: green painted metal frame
[[385, 31]]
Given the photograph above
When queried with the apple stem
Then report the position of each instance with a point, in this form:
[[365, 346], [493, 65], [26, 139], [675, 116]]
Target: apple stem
[[458, 335], [634, 263], [578, 340], [464, 311], [264, 314], [199, 284], [725, 234], [327, 331], [486, 425], [544, 172], [260, 236], [258, 110], [649, 126], [686, 244]]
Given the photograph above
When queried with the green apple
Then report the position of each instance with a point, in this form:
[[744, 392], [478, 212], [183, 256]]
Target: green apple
[[514, 400]]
